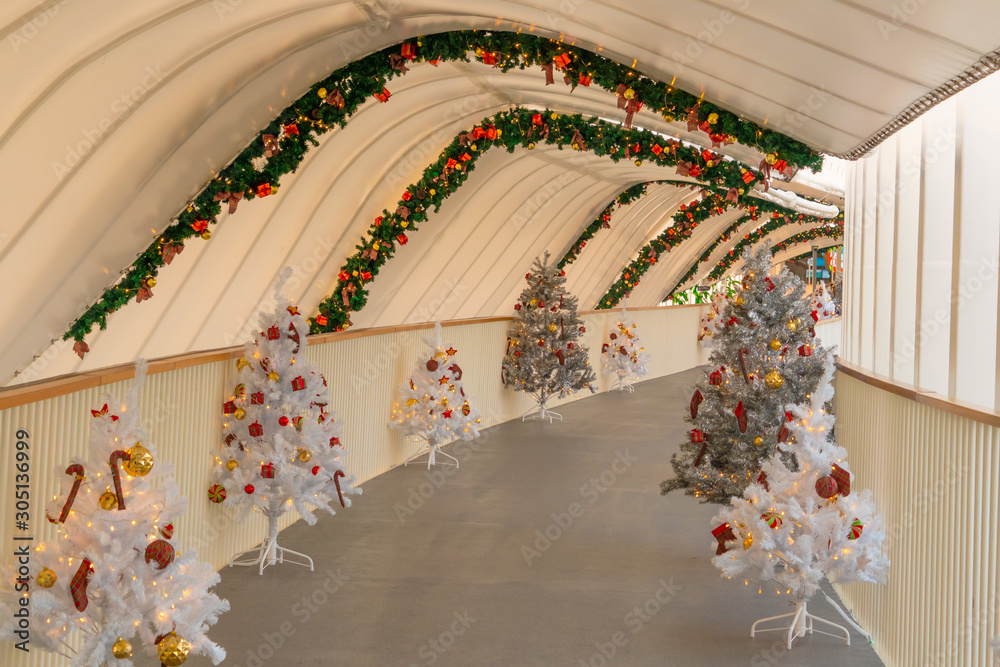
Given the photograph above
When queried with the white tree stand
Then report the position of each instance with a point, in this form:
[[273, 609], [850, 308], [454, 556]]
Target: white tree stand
[[622, 384], [269, 553], [542, 412], [801, 625], [432, 449]]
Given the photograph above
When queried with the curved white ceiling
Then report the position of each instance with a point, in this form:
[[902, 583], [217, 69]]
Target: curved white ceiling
[[116, 113]]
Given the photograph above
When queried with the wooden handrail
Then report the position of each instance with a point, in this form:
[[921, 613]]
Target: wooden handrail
[[31, 392], [941, 402]]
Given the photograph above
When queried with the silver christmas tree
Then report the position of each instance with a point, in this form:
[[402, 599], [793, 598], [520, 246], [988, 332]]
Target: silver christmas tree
[[544, 357], [764, 358]]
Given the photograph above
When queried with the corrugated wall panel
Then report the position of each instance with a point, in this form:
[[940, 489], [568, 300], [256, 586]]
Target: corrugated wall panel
[[180, 410]]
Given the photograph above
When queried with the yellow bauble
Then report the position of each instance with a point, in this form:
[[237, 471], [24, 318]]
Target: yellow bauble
[[499, 133], [150, 282], [46, 578], [240, 414], [740, 300], [770, 158], [140, 461], [531, 145], [232, 465], [638, 163], [273, 376], [206, 234], [322, 92], [242, 363], [555, 116], [758, 441], [773, 380], [775, 344], [629, 94], [122, 649], [411, 401], [404, 224], [533, 303], [108, 500], [304, 455], [713, 118], [793, 324], [747, 542], [553, 328], [173, 650]]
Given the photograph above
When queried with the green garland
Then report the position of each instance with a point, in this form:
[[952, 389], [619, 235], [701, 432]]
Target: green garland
[[834, 228], [627, 197], [295, 129], [810, 235], [777, 212]]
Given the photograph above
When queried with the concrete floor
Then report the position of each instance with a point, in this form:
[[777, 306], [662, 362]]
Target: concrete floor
[[550, 546]]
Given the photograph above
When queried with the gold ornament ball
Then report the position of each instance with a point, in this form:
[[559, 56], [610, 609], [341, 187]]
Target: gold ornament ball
[[793, 324], [206, 234], [553, 328], [740, 300], [775, 344], [531, 145], [140, 461], [638, 163], [108, 500], [242, 363], [758, 441], [629, 94], [713, 118], [322, 92], [240, 414], [173, 650], [747, 542], [232, 465], [774, 380], [305, 455], [554, 116], [771, 158], [150, 282], [273, 376], [46, 578], [122, 649]]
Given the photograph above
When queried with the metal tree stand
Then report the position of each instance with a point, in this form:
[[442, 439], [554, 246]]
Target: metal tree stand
[[432, 449], [622, 384], [269, 553], [542, 412], [801, 625]]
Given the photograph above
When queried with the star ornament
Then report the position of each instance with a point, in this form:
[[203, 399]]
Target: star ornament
[[446, 414], [443, 380], [451, 351], [103, 412], [292, 310]]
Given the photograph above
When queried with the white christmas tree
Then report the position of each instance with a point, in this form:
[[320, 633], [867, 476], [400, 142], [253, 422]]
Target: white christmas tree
[[281, 443], [114, 576], [622, 355], [711, 321], [544, 356], [822, 303], [793, 527], [433, 405]]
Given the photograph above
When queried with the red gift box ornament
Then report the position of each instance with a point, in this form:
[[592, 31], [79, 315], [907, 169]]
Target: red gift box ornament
[[322, 320], [267, 470], [489, 58], [298, 384], [384, 95], [256, 430], [697, 435], [408, 51], [723, 534], [695, 402], [805, 350], [228, 408], [843, 480], [715, 378], [741, 417], [769, 283], [747, 177], [273, 333], [402, 239]]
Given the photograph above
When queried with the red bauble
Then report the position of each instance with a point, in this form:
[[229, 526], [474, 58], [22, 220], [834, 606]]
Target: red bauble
[[248, 488], [334, 441], [541, 304], [826, 487], [316, 470], [614, 336], [432, 365], [283, 421], [541, 343], [160, 554]]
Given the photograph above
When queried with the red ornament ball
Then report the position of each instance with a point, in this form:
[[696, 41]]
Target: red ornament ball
[[160, 554], [827, 487], [334, 441], [541, 343], [283, 421], [541, 304], [216, 493], [432, 365], [248, 488], [315, 470], [614, 336]]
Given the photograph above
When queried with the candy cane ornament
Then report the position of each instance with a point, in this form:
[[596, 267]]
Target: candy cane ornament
[[117, 456], [336, 480], [743, 365], [77, 470], [78, 586]]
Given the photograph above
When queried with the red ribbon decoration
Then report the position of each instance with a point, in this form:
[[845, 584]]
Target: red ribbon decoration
[[77, 470], [347, 293], [398, 63], [271, 146], [103, 412], [547, 68], [578, 140], [335, 99], [143, 294], [232, 197], [78, 586], [336, 480], [81, 348], [692, 120], [733, 195], [170, 250], [369, 253], [116, 456], [630, 105], [403, 212], [743, 365]]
